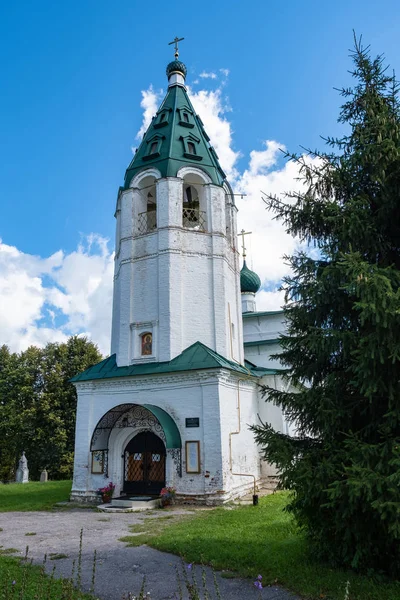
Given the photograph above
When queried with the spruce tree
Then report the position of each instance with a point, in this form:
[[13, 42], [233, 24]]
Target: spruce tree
[[341, 352]]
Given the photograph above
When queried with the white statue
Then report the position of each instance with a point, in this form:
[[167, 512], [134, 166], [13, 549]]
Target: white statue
[[22, 475]]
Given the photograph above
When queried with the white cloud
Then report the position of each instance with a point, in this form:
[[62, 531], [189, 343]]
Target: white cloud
[[209, 75], [273, 300], [35, 292], [269, 241], [212, 108], [150, 103]]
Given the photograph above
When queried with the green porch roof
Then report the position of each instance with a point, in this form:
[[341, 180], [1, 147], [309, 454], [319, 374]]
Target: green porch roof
[[198, 356], [166, 143]]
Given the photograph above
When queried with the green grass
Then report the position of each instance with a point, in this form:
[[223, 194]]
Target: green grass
[[264, 540], [33, 496], [150, 528], [24, 581]]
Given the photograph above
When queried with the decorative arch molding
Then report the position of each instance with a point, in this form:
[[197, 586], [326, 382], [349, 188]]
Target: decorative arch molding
[[145, 416], [185, 171], [229, 192], [123, 440], [152, 172]]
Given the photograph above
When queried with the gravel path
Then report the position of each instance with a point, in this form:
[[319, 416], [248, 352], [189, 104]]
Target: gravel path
[[120, 569]]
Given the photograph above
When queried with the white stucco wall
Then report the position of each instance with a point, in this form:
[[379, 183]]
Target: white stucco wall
[[260, 335], [237, 392], [194, 394], [181, 283], [262, 325]]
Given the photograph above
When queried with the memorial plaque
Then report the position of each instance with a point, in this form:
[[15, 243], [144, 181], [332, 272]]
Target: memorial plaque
[[193, 422]]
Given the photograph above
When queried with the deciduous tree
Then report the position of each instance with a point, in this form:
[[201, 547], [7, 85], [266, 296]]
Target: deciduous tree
[[38, 405]]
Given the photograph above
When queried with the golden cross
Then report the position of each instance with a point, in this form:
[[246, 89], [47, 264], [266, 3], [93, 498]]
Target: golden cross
[[243, 233], [175, 41]]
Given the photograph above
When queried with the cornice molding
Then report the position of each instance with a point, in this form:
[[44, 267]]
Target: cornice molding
[[154, 382], [131, 260]]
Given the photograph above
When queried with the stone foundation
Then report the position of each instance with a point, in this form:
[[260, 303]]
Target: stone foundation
[[84, 497]]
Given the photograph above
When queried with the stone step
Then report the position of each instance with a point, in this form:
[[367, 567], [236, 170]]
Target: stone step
[[130, 504]]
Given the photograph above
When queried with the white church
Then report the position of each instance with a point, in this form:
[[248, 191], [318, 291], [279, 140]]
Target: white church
[[173, 403]]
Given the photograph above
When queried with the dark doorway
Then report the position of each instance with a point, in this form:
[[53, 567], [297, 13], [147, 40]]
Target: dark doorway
[[144, 464]]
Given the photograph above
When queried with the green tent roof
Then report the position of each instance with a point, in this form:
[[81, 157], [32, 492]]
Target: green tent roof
[[175, 138], [196, 357]]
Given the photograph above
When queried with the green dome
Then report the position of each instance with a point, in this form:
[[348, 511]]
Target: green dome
[[176, 65], [249, 281]]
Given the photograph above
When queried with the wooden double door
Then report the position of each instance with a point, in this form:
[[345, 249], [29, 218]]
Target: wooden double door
[[144, 465]]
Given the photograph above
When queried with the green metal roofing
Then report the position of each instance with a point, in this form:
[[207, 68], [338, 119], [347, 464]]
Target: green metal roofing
[[172, 435], [260, 371], [176, 66], [196, 357], [261, 343], [267, 313], [249, 281], [165, 144]]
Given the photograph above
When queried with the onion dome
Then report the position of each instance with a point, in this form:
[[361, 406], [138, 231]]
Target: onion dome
[[250, 282], [176, 66]]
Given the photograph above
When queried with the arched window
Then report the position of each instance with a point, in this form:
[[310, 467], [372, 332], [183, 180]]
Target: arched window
[[153, 147], [191, 148], [146, 344], [193, 203], [147, 206]]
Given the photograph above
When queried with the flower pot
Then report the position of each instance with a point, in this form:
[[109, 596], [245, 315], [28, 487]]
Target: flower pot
[[106, 499]]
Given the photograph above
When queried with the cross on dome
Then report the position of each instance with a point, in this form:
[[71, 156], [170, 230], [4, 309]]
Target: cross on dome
[[243, 233], [176, 41]]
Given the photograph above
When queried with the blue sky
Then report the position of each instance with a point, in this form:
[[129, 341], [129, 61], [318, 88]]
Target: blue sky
[[72, 78]]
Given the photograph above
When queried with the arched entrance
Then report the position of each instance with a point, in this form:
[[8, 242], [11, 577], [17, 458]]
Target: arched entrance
[[144, 464], [111, 440]]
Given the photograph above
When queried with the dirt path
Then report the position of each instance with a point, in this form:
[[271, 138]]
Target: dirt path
[[120, 569]]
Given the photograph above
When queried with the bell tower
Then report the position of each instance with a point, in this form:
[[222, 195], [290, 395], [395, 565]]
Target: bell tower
[[176, 277]]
